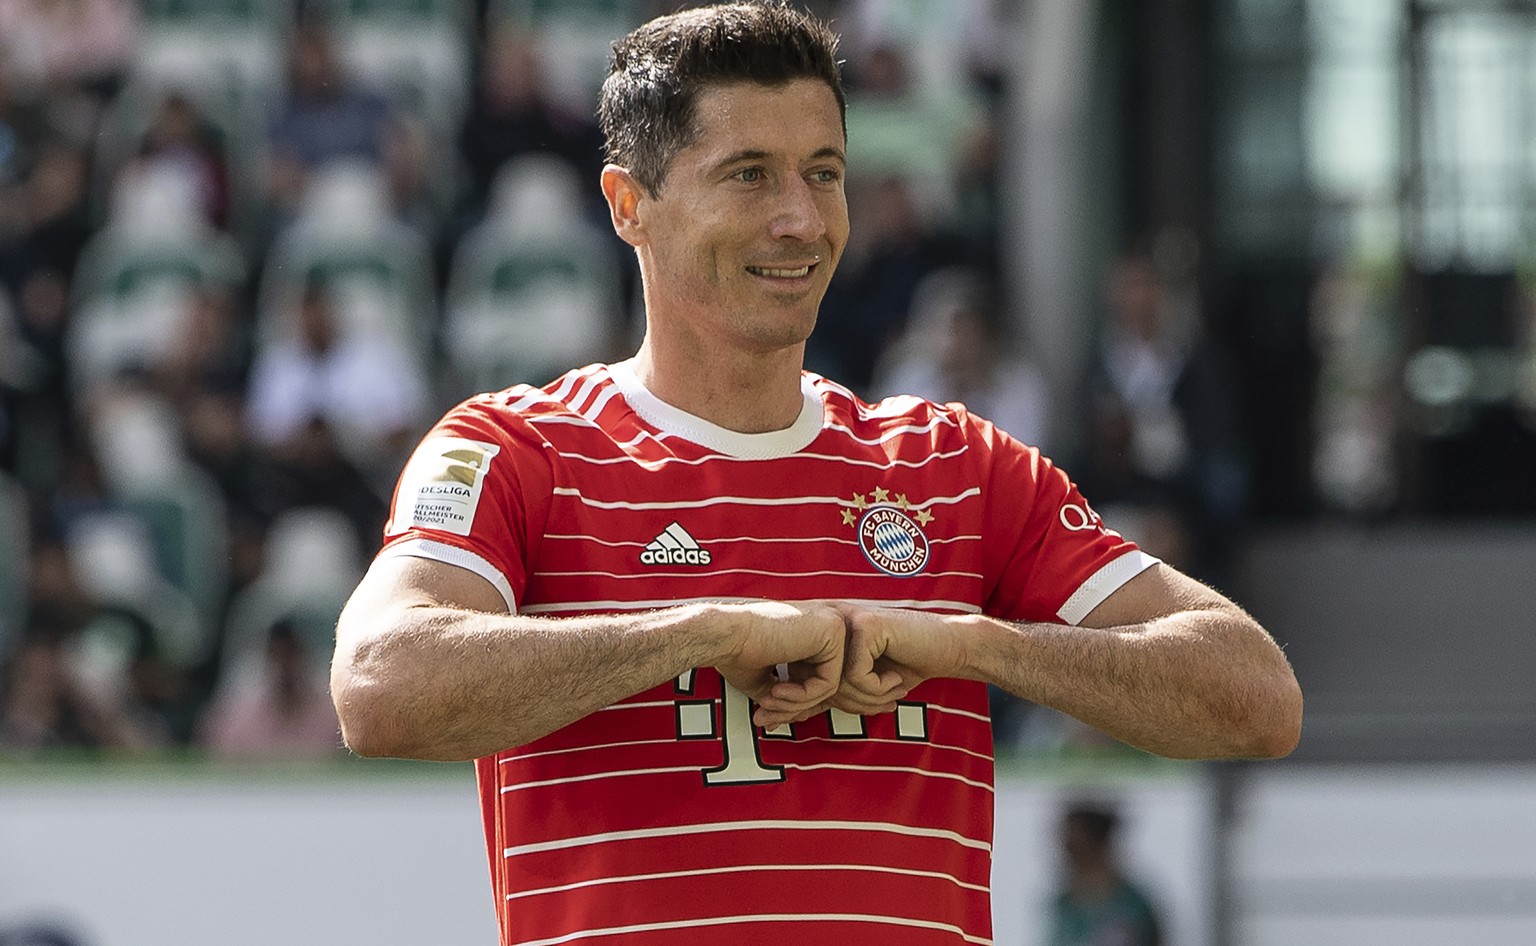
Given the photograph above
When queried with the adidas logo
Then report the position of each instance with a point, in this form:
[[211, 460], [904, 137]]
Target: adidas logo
[[674, 547]]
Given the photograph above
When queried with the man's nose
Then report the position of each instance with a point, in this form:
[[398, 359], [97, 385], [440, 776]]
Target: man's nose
[[799, 216]]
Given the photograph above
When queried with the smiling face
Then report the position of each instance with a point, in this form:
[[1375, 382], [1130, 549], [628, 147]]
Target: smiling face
[[739, 243]]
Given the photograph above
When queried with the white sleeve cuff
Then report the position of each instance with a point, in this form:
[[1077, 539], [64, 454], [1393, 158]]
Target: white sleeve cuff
[[1103, 583], [453, 555]]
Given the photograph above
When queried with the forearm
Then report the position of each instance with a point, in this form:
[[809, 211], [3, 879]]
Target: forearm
[[1198, 684], [447, 684]]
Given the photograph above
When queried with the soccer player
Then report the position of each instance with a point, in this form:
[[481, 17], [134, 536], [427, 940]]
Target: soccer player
[[716, 632]]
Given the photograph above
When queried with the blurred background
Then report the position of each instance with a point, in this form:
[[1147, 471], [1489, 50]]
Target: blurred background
[[1261, 274]]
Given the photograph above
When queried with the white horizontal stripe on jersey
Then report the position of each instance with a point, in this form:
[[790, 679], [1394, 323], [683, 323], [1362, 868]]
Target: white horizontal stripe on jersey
[[983, 756], [606, 745], [759, 918], [565, 607], [897, 405], [939, 708], [596, 776], [893, 432], [652, 704], [453, 555], [659, 462], [750, 868], [575, 420], [805, 767], [716, 827], [734, 538], [736, 571], [1103, 583], [750, 501], [925, 773]]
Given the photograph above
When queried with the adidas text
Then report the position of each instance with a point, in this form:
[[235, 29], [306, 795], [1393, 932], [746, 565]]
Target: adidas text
[[675, 556]]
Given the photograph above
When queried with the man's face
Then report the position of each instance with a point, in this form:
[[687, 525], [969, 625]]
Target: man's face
[[751, 218]]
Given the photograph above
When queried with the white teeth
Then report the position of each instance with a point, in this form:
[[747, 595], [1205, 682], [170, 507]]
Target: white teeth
[[780, 273]]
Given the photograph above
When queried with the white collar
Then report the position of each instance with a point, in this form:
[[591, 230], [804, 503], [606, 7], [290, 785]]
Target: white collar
[[680, 423]]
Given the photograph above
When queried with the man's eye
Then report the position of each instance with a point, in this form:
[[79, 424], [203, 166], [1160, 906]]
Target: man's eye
[[826, 176], [750, 175]]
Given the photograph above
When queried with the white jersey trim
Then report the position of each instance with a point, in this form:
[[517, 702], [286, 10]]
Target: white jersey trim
[[677, 422], [1103, 583], [453, 555], [556, 607], [759, 918], [749, 869], [883, 827]]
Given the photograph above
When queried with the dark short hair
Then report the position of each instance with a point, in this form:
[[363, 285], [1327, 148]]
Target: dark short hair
[[649, 100]]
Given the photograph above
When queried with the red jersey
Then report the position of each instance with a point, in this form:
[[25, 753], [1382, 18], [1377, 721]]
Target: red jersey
[[668, 818]]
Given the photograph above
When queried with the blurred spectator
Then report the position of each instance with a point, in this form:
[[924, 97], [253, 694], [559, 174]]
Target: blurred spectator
[[954, 349], [1357, 411], [310, 469], [363, 385], [285, 709], [867, 305], [1097, 905], [181, 139], [511, 116], [46, 704], [63, 43], [1165, 441], [23, 127], [324, 118], [885, 104], [48, 224]]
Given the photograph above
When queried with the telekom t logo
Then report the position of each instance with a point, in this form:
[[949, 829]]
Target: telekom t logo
[[741, 742]]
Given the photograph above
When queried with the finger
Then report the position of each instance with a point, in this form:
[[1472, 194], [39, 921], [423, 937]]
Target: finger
[[799, 693], [769, 719]]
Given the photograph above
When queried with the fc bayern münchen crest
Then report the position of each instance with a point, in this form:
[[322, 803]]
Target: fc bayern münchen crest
[[892, 542]]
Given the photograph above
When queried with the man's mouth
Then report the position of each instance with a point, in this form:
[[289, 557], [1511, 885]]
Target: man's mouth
[[776, 272]]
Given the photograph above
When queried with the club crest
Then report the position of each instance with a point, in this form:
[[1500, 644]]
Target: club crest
[[892, 542]]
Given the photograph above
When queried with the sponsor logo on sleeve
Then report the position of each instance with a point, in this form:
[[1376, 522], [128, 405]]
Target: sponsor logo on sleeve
[[440, 488], [1080, 517]]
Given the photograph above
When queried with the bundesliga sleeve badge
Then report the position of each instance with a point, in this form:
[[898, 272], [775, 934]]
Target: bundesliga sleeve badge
[[440, 487]]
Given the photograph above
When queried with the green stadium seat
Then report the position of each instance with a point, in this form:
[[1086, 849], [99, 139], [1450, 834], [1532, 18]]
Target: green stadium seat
[[533, 289]]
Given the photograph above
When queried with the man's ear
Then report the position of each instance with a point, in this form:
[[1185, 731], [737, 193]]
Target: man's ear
[[624, 195]]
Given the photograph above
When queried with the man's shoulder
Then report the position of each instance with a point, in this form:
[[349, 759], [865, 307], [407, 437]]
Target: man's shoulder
[[898, 412]]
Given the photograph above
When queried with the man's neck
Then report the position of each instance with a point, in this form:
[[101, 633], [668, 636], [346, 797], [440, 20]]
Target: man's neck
[[747, 392]]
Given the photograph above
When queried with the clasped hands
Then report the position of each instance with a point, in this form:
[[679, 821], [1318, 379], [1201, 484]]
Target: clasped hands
[[840, 656]]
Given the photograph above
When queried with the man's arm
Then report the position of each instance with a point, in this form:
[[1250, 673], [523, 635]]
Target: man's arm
[[1164, 664], [429, 664]]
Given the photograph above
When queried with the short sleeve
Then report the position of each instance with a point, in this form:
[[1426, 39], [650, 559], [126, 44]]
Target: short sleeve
[[474, 494], [1049, 555]]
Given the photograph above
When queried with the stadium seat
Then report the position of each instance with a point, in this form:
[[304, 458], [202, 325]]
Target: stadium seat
[[312, 565], [534, 288], [378, 269], [148, 476], [415, 51], [227, 55], [113, 555], [575, 36], [137, 272]]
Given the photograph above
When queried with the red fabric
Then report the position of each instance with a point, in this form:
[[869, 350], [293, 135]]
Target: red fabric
[[880, 838]]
